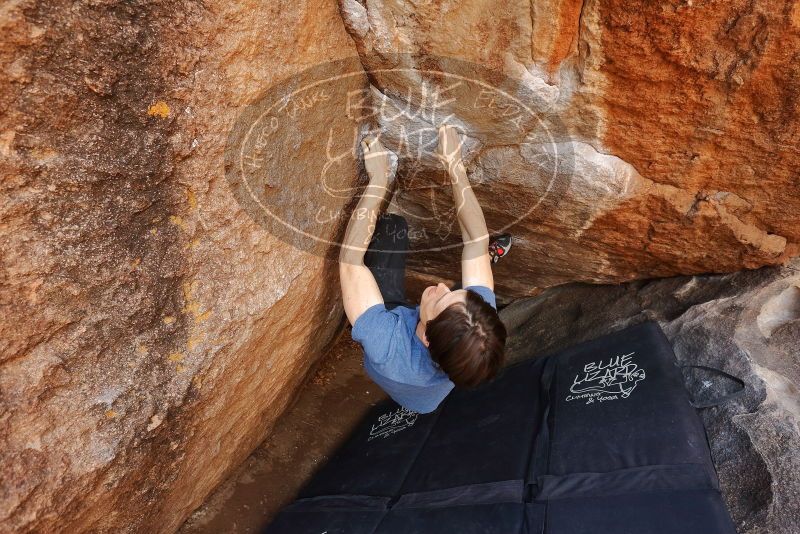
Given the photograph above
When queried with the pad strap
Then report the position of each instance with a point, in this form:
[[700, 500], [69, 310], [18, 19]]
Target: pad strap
[[724, 398], [540, 459]]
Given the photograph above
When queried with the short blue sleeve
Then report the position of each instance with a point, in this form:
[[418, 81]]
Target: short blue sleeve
[[486, 293], [375, 330]]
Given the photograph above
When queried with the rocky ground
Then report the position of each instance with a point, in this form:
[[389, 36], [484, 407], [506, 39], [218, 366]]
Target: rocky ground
[[747, 324], [328, 407]]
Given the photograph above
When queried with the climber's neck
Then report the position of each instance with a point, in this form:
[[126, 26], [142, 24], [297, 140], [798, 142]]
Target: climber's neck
[[421, 333]]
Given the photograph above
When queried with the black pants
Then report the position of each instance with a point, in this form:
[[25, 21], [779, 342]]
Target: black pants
[[386, 258]]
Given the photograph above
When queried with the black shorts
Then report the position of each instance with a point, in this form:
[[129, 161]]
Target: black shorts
[[386, 258]]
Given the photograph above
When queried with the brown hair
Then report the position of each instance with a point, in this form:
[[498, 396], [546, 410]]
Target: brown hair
[[467, 340]]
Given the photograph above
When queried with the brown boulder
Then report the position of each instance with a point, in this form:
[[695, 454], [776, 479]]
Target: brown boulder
[[164, 284], [151, 332], [674, 127]]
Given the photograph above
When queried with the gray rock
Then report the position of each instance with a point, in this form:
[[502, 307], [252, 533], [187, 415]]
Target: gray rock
[[747, 324]]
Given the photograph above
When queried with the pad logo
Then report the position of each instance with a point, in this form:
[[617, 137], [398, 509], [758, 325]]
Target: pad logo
[[606, 380], [392, 423]]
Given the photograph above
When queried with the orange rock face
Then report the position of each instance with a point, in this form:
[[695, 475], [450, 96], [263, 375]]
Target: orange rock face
[[676, 127], [157, 316], [150, 331]]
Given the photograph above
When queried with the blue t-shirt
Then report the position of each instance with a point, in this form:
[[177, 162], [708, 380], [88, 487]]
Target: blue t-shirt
[[397, 360]]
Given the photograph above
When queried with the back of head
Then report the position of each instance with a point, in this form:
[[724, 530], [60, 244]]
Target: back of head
[[467, 341]]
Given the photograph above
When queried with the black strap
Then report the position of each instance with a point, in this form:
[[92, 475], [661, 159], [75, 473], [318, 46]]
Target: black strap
[[631, 480], [504, 491], [541, 449], [724, 398]]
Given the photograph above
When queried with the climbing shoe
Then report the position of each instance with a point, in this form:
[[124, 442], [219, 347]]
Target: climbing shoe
[[499, 247]]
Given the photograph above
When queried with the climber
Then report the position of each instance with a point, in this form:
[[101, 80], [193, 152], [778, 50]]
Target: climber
[[454, 337]]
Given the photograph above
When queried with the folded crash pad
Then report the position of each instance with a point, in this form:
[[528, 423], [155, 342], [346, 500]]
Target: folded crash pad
[[601, 437]]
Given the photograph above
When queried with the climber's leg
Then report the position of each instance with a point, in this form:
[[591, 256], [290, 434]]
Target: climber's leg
[[386, 258]]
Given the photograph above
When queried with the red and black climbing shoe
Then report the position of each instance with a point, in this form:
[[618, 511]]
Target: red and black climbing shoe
[[499, 247]]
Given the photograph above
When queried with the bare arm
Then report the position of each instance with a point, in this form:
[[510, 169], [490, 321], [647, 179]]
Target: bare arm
[[476, 265], [359, 289]]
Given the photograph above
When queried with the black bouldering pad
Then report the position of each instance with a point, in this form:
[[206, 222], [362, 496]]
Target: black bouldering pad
[[598, 438]]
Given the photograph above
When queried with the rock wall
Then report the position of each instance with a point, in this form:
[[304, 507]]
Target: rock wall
[[674, 124], [153, 327], [747, 324], [151, 332]]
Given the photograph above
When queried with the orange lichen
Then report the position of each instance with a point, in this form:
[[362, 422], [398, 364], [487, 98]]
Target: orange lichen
[[197, 381], [159, 109], [192, 343], [177, 221], [191, 198], [203, 316]]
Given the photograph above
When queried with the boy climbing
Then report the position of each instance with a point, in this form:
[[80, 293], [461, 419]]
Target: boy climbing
[[417, 354]]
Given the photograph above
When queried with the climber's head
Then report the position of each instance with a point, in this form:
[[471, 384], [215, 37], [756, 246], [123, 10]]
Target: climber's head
[[463, 333]]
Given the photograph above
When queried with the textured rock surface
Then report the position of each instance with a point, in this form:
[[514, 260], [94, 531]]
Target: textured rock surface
[[677, 124], [151, 332], [747, 324]]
